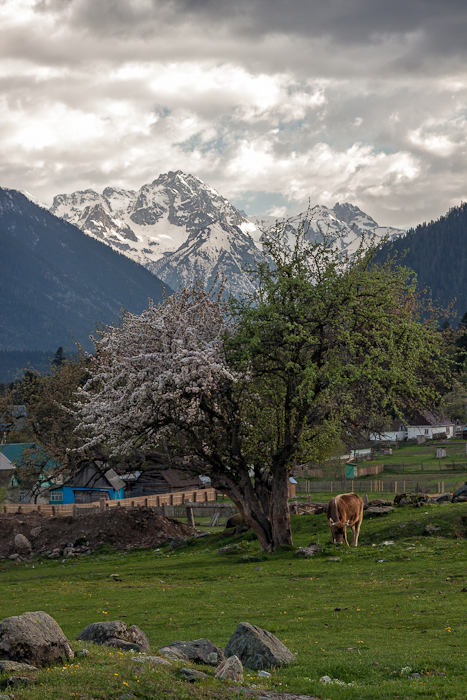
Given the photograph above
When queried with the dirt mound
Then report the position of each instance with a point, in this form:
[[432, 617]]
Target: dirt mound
[[120, 527]]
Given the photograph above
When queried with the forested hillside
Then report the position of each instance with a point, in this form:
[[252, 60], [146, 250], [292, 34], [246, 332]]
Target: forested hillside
[[437, 252], [57, 283]]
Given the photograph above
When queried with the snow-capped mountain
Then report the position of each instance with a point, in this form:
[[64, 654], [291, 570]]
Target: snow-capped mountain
[[180, 228], [177, 227], [345, 223]]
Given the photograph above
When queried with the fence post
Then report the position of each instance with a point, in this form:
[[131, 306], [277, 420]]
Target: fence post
[[189, 514], [102, 505], [53, 510], [352, 484], [395, 487], [74, 510], [332, 484], [164, 510]]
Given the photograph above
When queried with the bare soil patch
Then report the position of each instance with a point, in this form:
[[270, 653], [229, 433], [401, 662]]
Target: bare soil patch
[[123, 528]]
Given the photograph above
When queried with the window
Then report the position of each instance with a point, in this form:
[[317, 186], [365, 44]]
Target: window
[[56, 496], [426, 431]]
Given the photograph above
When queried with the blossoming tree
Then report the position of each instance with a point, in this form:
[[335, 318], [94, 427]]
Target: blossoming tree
[[324, 344]]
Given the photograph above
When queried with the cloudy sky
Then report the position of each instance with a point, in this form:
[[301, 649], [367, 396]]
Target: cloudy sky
[[272, 102]]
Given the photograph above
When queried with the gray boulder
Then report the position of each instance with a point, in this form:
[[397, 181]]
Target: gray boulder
[[230, 669], [200, 651], [460, 496], [108, 632], [173, 653], [444, 498], [257, 648], [122, 645], [192, 675], [22, 545], [34, 638]]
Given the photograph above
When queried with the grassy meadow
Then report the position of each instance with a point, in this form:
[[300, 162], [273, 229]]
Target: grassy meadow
[[369, 620]]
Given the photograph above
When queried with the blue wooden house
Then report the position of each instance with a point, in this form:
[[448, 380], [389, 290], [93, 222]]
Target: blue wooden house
[[90, 484]]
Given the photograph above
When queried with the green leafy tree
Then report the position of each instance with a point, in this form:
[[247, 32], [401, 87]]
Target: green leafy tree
[[325, 343], [46, 420]]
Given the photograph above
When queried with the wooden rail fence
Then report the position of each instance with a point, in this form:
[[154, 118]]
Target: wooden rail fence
[[179, 498]]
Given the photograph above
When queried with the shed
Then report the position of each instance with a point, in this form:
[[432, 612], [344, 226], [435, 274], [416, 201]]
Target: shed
[[90, 484], [156, 481]]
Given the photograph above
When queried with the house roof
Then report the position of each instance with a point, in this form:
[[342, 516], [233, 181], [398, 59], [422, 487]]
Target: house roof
[[14, 453], [113, 478], [180, 480], [428, 419]]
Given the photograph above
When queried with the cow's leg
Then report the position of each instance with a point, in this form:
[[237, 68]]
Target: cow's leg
[[356, 532], [345, 536]]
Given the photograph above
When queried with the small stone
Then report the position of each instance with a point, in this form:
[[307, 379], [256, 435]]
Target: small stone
[[414, 675], [83, 652], [153, 660], [259, 568], [14, 556], [334, 559], [35, 532], [122, 645], [309, 551], [325, 679], [15, 681], [176, 542], [6, 665], [264, 674], [191, 675]]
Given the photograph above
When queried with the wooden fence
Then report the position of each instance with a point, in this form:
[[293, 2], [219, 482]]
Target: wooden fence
[[375, 486], [178, 498]]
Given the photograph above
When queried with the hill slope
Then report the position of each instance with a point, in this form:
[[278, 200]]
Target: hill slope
[[56, 282], [437, 252]]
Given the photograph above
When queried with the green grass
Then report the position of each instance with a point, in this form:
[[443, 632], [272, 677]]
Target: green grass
[[401, 606]]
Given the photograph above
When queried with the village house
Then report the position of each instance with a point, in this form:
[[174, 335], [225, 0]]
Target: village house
[[421, 424], [90, 484]]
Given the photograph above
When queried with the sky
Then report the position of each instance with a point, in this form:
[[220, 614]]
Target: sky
[[274, 103]]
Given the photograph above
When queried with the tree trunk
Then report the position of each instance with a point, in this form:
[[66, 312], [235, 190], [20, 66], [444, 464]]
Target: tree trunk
[[280, 514], [271, 524]]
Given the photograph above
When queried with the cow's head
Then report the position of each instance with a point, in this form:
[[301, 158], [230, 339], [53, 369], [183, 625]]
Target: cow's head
[[338, 530]]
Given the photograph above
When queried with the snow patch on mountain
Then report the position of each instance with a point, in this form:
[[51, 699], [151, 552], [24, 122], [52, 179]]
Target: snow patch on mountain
[[182, 229]]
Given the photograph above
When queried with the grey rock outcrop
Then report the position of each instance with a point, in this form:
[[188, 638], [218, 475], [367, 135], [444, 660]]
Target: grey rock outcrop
[[34, 638], [108, 633], [22, 545], [257, 648], [201, 651], [230, 669]]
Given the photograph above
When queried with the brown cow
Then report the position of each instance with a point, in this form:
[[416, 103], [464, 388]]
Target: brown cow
[[345, 510]]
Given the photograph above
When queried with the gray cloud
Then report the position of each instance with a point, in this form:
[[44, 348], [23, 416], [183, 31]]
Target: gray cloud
[[267, 100]]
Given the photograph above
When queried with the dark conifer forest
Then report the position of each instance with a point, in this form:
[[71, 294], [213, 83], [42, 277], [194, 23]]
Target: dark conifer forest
[[437, 252]]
